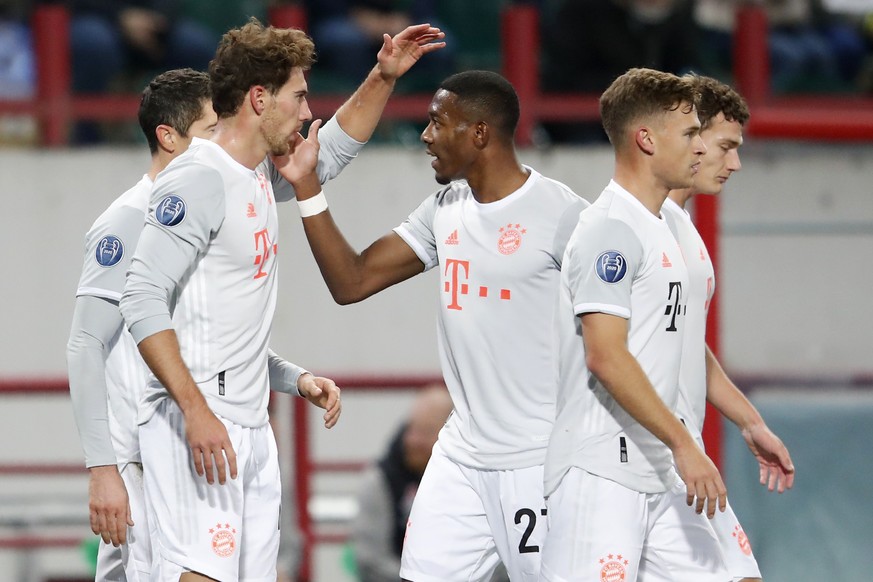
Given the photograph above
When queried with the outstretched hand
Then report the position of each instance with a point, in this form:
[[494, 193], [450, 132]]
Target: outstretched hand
[[399, 53], [776, 467], [302, 157], [324, 393]]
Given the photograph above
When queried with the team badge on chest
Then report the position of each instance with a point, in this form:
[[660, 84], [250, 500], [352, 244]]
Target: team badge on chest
[[510, 238]]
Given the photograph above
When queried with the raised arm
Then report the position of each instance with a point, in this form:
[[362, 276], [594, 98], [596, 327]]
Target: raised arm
[[360, 114], [774, 461], [607, 357], [350, 276]]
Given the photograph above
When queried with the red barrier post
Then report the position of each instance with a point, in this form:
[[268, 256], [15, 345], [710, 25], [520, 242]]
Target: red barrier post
[[751, 53], [288, 16], [706, 218], [51, 35], [302, 472], [520, 44]]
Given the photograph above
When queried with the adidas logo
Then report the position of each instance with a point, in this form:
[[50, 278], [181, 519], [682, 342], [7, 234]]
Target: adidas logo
[[665, 260], [453, 238], [250, 211]]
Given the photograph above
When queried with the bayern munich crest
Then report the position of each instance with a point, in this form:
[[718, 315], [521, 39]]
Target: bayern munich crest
[[742, 540], [610, 266], [171, 210], [510, 238], [110, 249], [613, 568], [223, 540]]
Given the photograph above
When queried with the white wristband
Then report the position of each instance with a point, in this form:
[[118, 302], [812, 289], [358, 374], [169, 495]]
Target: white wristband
[[312, 206]]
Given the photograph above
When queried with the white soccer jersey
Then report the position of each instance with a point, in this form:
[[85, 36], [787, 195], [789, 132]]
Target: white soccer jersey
[[211, 236], [209, 259], [109, 247], [701, 286], [621, 260], [499, 269]]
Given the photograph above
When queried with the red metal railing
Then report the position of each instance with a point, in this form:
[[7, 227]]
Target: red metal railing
[[818, 118]]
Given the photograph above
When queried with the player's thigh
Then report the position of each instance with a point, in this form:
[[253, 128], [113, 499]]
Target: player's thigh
[[597, 530], [735, 546], [263, 498], [515, 499], [681, 545], [137, 552], [448, 537], [195, 525]]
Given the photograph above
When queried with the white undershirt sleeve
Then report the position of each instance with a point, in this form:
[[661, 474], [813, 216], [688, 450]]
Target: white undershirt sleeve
[[96, 322]]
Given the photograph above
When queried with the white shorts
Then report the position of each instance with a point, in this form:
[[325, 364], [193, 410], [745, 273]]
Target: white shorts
[[600, 530], [227, 532], [465, 521], [130, 562], [735, 546]]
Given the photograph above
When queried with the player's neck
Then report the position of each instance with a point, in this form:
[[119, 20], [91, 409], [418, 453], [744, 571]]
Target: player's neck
[[681, 197], [159, 162], [496, 179], [643, 186], [242, 142]]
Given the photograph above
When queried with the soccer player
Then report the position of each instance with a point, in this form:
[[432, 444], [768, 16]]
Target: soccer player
[[722, 113], [496, 231], [200, 296], [106, 373], [613, 493]]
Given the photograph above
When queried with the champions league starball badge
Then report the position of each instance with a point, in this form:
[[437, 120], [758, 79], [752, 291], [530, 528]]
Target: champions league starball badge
[[611, 267], [110, 249], [170, 211]]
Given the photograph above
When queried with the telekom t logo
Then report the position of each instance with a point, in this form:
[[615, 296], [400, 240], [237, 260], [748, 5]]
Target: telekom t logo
[[457, 274], [453, 266], [264, 247]]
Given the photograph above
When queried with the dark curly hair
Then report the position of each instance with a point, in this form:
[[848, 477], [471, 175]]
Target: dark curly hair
[[716, 97]]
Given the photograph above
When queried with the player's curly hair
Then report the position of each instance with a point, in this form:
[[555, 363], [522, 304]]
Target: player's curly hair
[[642, 93], [173, 98], [716, 97], [255, 54]]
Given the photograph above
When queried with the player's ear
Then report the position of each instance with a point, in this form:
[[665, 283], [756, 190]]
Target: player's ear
[[644, 138], [166, 138], [258, 98], [481, 134]]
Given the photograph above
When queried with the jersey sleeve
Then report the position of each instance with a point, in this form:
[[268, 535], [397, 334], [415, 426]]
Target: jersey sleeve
[[337, 151], [186, 209], [566, 224], [600, 264], [417, 231], [109, 247], [283, 374], [96, 322]]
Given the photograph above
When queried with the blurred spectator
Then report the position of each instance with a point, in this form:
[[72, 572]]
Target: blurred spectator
[[130, 37], [811, 48], [17, 68], [588, 43], [348, 32], [388, 488]]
